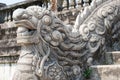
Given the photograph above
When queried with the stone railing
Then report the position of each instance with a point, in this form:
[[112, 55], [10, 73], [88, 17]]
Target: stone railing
[[7, 11], [68, 4], [75, 3]]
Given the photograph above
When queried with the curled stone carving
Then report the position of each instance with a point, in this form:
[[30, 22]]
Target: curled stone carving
[[52, 51], [92, 26], [46, 20]]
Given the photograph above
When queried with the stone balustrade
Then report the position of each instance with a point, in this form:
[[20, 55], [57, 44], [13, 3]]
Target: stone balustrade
[[7, 11]]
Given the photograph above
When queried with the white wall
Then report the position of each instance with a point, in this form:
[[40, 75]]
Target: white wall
[[6, 71]]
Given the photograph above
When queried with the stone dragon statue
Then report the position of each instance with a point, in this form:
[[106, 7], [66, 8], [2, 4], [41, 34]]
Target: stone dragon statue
[[52, 50]]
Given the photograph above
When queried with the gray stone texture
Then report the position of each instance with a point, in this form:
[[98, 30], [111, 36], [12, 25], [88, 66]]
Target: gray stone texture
[[64, 52], [105, 72], [113, 57]]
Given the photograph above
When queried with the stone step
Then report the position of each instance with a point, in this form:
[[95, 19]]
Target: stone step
[[105, 72], [113, 57]]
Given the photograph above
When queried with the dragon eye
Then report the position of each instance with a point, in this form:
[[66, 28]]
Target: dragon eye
[[46, 20], [25, 16]]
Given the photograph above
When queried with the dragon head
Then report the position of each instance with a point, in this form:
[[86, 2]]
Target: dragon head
[[40, 26], [29, 21]]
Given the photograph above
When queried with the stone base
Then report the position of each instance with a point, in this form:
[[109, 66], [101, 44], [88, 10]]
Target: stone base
[[113, 57], [105, 72]]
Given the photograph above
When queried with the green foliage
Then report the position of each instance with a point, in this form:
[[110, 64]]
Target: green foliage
[[87, 73]]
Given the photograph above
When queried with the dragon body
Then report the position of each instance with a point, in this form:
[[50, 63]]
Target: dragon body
[[62, 52]]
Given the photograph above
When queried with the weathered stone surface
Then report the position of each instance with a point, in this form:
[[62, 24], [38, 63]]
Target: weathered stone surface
[[58, 51], [9, 49], [113, 57], [105, 72], [68, 16], [7, 59], [7, 70]]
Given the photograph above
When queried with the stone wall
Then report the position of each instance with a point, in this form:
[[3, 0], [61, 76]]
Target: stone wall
[[9, 50], [8, 45], [7, 71]]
